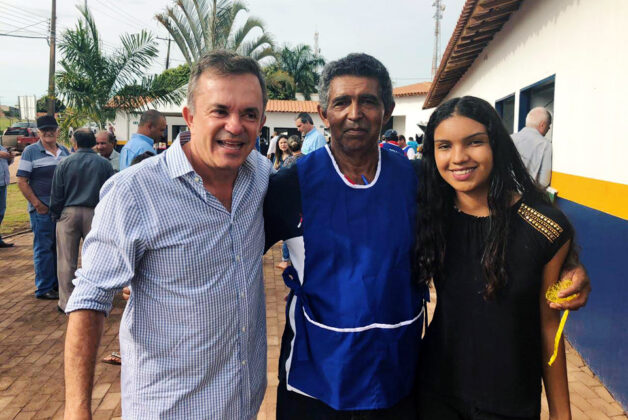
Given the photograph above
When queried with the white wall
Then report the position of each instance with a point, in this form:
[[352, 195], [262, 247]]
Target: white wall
[[584, 44], [410, 107], [126, 124]]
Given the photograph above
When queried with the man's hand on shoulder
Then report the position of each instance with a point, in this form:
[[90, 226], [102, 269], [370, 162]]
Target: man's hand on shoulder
[[581, 286]]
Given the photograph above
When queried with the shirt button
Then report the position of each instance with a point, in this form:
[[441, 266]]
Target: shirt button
[[237, 258], [197, 179], [241, 294], [244, 362], [243, 329]]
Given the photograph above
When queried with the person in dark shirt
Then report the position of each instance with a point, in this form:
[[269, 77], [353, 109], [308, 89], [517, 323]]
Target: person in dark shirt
[[493, 244], [75, 189]]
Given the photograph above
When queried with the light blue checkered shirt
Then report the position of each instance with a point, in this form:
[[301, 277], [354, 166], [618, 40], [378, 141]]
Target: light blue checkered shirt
[[193, 334]]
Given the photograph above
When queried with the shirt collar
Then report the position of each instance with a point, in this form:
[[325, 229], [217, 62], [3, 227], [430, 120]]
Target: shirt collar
[[143, 138], [179, 165], [42, 149], [311, 132], [84, 150]]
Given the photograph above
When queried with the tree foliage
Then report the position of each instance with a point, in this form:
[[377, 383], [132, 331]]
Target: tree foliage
[[199, 26], [301, 63], [42, 105], [97, 84], [279, 84]]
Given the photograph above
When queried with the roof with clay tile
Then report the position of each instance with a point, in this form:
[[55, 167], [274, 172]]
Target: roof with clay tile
[[413, 89], [277, 105]]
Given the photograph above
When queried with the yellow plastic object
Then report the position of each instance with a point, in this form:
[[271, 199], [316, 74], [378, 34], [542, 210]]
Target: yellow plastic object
[[552, 296]]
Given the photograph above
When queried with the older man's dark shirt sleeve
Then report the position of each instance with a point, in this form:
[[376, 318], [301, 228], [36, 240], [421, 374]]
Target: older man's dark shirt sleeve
[[57, 192], [282, 207]]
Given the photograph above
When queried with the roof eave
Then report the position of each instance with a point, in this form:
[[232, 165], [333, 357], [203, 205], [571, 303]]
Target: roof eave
[[468, 41]]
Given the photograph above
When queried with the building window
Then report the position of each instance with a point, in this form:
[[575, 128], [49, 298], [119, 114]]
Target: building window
[[506, 109], [540, 93]]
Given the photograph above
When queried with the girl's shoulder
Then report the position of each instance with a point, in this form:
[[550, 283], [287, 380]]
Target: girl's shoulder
[[547, 222]]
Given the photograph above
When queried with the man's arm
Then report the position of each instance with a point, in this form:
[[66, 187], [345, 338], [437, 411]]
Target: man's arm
[[83, 336], [27, 192], [57, 192], [545, 171], [6, 155]]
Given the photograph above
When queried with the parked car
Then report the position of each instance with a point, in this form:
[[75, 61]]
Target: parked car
[[20, 129]]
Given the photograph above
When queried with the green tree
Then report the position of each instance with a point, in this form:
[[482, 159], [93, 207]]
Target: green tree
[[199, 26], [42, 106], [301, 63], [96, 84], [279, 84]]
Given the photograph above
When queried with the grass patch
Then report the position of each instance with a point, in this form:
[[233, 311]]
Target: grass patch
[[6, 122], [16, 217]]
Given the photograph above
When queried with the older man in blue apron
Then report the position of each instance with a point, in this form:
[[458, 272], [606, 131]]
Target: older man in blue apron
[[354, 314]]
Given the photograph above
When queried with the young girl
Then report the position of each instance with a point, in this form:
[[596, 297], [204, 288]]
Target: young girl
[[493, 244], [283, 152]]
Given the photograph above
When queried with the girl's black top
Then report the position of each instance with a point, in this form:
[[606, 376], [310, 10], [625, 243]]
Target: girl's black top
[[488, 352]]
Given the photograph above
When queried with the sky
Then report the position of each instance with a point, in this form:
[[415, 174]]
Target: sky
[[400, 33]]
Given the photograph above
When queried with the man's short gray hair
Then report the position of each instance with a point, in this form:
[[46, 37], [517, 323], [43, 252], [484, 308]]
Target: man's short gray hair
[[538, 115], [362, 65], [224, 63]]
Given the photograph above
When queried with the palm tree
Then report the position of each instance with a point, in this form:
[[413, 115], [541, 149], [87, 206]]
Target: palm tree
[[279, 84], [199, 26], [96, 84], [302, 65]]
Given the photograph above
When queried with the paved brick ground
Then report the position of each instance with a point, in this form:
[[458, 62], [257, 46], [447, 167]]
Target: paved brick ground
[[32, 335]]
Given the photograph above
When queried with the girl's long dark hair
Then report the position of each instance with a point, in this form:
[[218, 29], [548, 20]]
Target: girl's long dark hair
[[436, 198]]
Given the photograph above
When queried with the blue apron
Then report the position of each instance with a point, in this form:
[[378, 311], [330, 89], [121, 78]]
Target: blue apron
[[357, 316]]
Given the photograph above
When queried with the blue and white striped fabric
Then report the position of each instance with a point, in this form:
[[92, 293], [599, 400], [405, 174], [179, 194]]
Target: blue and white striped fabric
[[38, 166], [193, 334]]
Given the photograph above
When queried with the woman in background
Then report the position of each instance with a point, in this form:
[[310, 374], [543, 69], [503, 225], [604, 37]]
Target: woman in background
[[283, 152]]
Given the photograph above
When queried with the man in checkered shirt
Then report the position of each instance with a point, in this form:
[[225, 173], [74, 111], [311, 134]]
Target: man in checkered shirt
[[185, 231]]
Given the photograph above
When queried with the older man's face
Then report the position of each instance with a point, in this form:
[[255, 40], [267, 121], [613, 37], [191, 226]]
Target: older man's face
[[355, 113], [103, 146]]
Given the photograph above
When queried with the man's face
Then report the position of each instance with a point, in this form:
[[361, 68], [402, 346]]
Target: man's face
[[355, 113], [157, 130], [228, 115], [48, 136], [303, 127], [103, 146]]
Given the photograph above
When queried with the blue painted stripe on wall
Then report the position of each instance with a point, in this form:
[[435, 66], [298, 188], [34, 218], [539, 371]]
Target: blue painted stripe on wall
[[599, 330]]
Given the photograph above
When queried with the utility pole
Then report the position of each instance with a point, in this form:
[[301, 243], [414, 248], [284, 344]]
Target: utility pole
[[168, 53], [440, 7], [51, 66]]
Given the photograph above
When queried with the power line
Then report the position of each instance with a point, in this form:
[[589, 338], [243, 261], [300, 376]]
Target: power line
[[24, 27], [14, 15], [127, 17], [22, 10], [24, 36], [115, 18]]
